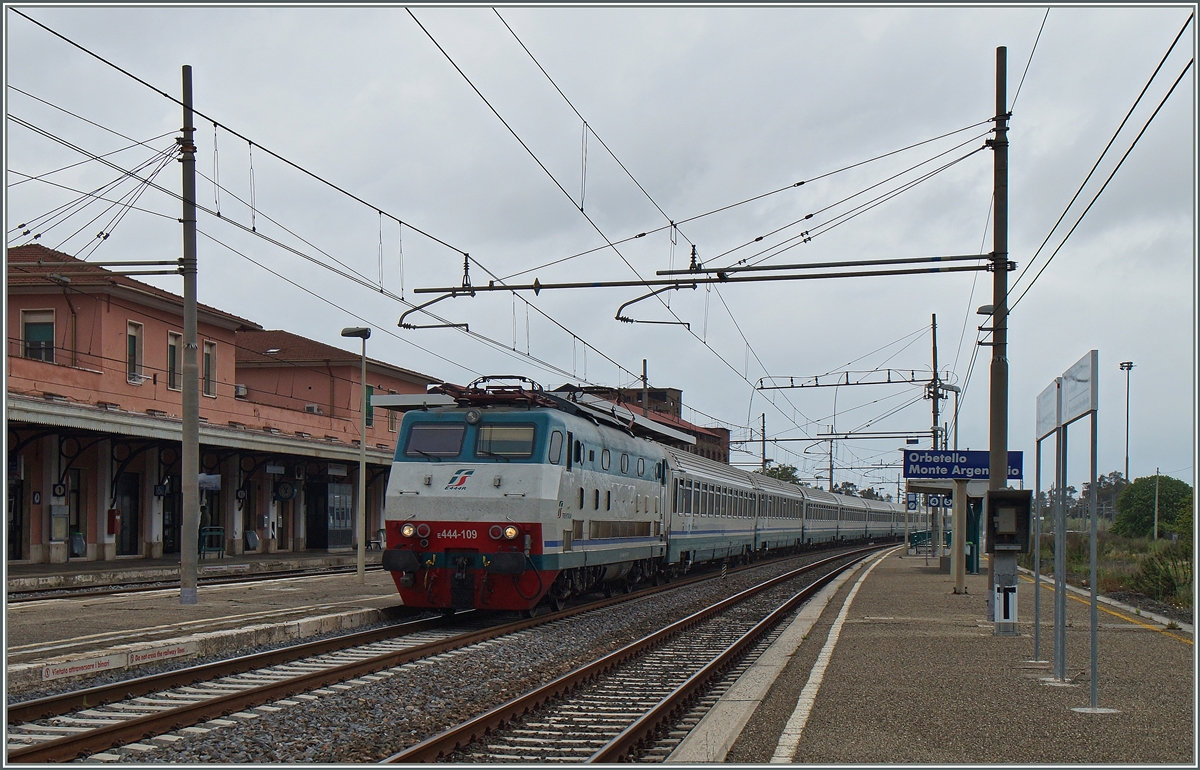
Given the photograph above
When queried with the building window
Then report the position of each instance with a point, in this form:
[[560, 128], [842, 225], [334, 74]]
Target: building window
[[37, 327], [370, 409], [133, 353], [210, 369], [174, 360], [391, 418]]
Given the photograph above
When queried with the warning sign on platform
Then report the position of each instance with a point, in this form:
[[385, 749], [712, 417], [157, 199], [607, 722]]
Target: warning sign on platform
[[84, 666], [162, 653]]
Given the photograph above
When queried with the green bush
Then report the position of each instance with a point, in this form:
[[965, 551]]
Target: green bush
[[1167, 575]]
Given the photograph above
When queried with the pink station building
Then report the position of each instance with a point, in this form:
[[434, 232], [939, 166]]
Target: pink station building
[[93, 407]]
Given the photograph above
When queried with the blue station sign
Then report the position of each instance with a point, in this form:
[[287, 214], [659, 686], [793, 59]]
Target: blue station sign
[[954, 464]]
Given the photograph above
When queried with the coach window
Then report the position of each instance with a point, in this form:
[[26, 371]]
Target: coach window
[[608, 499], [624, 463], [641, 467], [581, 498], [596, 501], [605, 459], [578, 452], [555, 453]]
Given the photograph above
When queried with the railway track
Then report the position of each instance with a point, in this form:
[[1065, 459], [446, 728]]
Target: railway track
[[66, 727], [619, 705], [75, 592]]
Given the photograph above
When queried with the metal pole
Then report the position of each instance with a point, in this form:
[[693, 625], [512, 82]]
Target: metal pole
[[362, 471], [1060, 561], [645, 390], [1037, 554], [1156, 503], [763, 437], [1093, 499], [190, 450], [1003, 567], [1127, 366]]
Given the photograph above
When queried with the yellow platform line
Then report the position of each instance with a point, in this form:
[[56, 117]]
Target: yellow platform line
[[1114, 613]]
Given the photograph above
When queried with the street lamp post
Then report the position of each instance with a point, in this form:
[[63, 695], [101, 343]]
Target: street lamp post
[[364, 334], [1126, 366]]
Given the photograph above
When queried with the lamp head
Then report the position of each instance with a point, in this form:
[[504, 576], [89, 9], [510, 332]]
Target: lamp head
[[1126, 365], [361, 332]]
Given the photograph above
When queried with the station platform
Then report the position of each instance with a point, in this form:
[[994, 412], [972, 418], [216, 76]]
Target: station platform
[[121, 571], [889, 666], [78, 641]]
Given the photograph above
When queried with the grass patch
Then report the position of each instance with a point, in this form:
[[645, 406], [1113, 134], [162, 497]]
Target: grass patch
[[1161, 569]]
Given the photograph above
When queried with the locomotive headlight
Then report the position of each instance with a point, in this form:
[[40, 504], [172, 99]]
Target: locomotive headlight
[[511, 532], [423, 530], [496, 532], [408, 530]]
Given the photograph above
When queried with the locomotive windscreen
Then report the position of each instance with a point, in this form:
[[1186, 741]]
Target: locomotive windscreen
[[435, 440], [505, 441]]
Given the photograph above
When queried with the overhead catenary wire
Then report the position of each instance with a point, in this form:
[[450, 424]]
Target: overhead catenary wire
[[727, 207], [1029, 61], [1103, 187], [1108, 146], [558, 184], [346, 273], [196, 112], [671, 223]]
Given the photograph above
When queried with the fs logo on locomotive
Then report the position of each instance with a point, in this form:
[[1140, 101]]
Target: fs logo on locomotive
[[459, 479]]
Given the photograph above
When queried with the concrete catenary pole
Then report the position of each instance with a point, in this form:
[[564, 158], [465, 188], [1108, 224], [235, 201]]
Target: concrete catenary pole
[[190, 451], [1003, 567], [935, 511], [362, 468]]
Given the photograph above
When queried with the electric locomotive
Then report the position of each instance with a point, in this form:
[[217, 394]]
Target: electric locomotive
[[508, 496]]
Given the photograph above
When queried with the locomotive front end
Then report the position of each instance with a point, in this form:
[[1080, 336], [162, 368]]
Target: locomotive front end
[[466, 501]]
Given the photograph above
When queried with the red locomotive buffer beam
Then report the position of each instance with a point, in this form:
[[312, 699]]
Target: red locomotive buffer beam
[[467, 565]]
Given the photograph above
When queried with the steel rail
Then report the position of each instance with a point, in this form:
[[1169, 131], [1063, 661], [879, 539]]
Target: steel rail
[[74, 746], [667, 710], [437, 746], [138, 586], [58, 705]]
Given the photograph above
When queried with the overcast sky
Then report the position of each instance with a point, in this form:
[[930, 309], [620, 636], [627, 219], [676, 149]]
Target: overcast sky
[[702, 108]]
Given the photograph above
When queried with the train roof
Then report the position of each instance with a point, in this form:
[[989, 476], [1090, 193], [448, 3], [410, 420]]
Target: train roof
[[692, 463]]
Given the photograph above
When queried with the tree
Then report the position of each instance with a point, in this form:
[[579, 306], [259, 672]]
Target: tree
[[781, 472], [1135, 506], [1108, 488], [846, 488], [870, 494], [1184, 525]]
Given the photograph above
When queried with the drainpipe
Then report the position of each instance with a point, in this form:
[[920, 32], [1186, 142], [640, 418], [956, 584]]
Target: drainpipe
[[74, 330], [329, 367]]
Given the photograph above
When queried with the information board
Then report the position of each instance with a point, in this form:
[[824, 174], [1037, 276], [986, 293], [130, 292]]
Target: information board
[[955, 464]]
